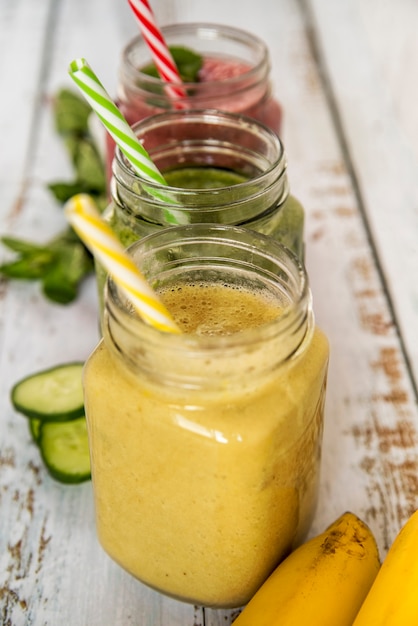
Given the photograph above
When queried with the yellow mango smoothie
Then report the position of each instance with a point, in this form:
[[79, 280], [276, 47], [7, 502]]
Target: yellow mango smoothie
[[205, 446]]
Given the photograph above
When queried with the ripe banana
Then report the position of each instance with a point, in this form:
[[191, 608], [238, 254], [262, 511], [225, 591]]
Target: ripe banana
[[393, 600], [321, 583]]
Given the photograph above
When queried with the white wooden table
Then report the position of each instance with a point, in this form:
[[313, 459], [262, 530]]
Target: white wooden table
[[345, 73]]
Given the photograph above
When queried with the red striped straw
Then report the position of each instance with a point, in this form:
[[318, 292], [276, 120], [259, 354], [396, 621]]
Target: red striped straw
[[161, 54]]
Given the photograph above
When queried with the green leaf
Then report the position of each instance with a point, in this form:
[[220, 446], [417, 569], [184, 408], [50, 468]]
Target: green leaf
[[63, 262], [58, 290], [187, 61], [71, 142], [33, 261], [63, 191], [71, 113], [20, 245], [61, 265], [67, 236], [30, 266], [72, 264], [89, 166], [87, 162]]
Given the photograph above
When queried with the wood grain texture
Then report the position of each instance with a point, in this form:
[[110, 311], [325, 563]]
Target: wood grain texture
[[378, 123], [349, 132]]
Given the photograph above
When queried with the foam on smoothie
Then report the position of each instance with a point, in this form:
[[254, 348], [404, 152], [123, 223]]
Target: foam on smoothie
[[213, 309]]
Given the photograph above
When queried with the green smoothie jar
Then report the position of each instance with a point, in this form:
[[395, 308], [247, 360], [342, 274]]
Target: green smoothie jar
[[221, 168], [206, 445]]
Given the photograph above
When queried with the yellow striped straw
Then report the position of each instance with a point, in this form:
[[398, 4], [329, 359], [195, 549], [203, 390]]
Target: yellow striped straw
[[99, 238]]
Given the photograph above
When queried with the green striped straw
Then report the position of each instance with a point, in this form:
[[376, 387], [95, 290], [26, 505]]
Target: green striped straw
[[113, 120], [117, 126]]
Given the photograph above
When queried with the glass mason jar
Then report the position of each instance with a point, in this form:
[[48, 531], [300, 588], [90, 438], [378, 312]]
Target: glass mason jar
[[221, 167], [205, 445], [235, 76]]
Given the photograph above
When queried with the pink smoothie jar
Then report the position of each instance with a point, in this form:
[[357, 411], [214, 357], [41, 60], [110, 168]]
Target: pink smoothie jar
[[235, 76]]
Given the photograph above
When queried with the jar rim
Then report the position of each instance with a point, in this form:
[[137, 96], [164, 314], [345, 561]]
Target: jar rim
[[215, 117], [296, 315], [230, 32]]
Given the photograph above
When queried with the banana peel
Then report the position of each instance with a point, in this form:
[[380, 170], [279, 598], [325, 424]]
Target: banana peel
[[393, 597], [322, 583]]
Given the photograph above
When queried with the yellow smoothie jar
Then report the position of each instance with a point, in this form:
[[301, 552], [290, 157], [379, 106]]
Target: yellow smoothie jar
[[205, 446]]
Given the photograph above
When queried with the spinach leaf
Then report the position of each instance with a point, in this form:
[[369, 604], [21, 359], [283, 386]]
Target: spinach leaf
[[71, 114], [60, 264], [63, 262]]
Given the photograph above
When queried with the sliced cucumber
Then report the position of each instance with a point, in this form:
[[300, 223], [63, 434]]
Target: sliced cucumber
[[65, 450], [55, 394], [35, 427]]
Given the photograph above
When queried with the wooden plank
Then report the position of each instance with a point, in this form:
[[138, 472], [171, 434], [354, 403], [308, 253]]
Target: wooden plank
[[390, 32], [22, 35], [370, 394], [375, 113]]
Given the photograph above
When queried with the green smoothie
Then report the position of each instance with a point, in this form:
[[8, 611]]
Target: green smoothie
[[203, 178], [284, 223]]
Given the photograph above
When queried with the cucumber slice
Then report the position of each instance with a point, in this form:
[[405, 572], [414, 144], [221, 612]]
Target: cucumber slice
[[54, 394], [65, 450], [35, 427]]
